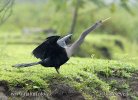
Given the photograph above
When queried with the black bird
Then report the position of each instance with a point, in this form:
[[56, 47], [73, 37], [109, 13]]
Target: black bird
[[54, 52]]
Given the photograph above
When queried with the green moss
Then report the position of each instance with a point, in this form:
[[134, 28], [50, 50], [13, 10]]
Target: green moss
[[89, 76]]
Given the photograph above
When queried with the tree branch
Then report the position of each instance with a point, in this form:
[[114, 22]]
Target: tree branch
[[75, 16], [5, 10]]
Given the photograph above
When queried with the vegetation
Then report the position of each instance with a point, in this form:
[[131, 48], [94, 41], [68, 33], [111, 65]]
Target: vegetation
[[105, 66], [90, 76]]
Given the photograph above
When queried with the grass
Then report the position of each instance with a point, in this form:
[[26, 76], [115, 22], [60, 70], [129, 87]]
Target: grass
[[95, 77], [92, 77]]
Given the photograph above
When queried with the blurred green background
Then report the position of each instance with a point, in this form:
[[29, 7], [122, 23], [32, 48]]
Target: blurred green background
[[105, 63], [31, 21]]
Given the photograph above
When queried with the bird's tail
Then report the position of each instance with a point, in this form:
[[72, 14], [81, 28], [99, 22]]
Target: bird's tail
[[26, 64]]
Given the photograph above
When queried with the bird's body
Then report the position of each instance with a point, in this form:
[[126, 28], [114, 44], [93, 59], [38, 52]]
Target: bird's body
[[54, 51], [51, 54]]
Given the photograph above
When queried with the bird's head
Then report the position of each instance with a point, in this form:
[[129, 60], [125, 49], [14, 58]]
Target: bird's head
[[64, 41]]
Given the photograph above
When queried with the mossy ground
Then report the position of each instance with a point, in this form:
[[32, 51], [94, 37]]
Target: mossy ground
[[94, 78]]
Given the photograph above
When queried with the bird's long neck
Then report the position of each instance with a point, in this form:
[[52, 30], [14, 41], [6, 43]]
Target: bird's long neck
[[70, 50]]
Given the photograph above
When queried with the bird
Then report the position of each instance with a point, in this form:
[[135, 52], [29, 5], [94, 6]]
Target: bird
[[55, 51]]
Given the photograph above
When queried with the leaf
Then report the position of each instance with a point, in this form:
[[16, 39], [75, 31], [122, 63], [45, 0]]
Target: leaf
[[113, 7], [124, 4], [36, 87], [60, 4], [99, 3], [78, 2]]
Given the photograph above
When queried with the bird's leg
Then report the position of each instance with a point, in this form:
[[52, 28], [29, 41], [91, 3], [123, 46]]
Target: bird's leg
[[57, 69]]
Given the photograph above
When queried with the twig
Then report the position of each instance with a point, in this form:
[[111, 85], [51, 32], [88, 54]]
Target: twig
[[6, 11]]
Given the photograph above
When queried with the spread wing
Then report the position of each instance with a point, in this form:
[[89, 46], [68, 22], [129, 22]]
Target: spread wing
[[45, 49]]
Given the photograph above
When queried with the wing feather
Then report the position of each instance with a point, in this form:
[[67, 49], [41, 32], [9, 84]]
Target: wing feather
[[45, 49]]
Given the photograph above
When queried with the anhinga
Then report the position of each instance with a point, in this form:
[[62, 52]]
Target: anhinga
[[54, 52]]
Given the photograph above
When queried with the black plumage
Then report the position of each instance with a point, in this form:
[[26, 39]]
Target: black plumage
[[51, 54]]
